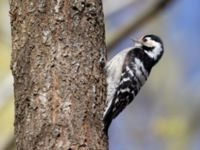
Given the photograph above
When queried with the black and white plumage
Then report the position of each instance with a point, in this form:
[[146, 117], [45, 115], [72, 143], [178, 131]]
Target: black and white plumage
[[127, 72]]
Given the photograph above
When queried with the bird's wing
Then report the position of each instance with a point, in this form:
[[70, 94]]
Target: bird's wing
[[125, 92]]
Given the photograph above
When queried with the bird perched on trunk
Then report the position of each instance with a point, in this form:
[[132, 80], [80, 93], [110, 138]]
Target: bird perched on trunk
[[127, 72]]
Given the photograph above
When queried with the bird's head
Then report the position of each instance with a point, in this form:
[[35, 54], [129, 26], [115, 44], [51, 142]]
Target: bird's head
[[152, 46]]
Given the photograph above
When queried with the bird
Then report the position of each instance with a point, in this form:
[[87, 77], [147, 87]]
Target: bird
[[127, 72]]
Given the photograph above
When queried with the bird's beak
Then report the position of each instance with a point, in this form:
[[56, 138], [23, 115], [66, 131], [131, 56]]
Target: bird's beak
[[136, 41]]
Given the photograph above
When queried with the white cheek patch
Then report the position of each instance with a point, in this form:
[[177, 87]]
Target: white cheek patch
[[149, 42], [156, 51]]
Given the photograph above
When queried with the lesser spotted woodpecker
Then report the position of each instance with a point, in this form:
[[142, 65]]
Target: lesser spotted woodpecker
[[127, 72]]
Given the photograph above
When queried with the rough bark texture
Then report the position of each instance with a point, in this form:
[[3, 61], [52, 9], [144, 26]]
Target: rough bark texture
[[58, 81]]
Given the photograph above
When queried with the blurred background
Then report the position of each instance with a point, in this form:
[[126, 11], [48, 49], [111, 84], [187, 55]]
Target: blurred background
[[166, 113]]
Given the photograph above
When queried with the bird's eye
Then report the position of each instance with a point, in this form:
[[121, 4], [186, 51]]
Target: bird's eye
[[145, 40]]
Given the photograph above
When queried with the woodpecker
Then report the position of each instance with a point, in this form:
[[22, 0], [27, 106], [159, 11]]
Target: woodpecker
[[127, 72]]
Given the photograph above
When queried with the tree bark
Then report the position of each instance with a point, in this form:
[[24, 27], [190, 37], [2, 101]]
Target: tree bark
[[57, 50]]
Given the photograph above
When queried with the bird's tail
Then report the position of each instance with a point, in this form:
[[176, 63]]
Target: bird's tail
[[107, 121], [108, 117]]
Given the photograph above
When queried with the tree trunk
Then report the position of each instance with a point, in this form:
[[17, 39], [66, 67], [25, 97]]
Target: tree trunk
[[59, 84]]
